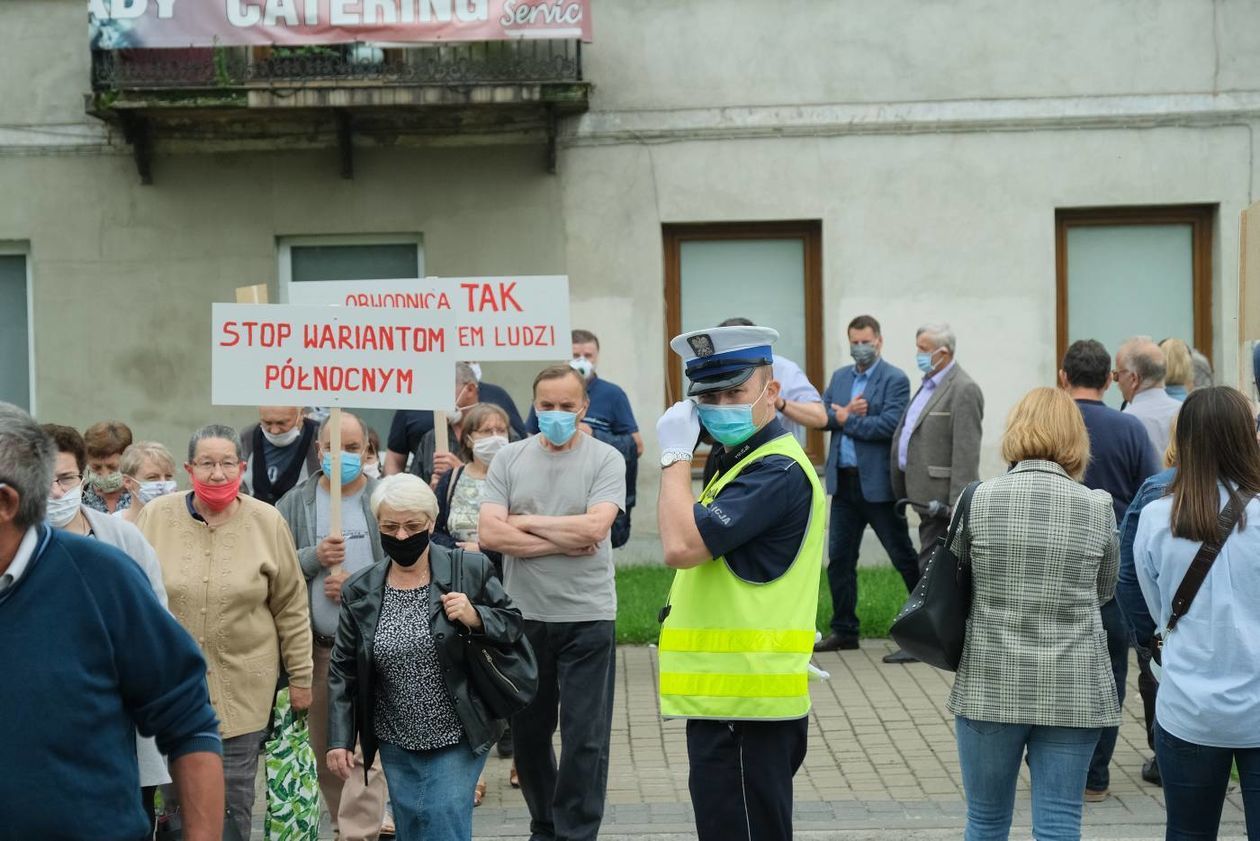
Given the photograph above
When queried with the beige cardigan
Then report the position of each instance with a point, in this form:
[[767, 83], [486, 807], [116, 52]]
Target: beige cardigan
[[238, 589]]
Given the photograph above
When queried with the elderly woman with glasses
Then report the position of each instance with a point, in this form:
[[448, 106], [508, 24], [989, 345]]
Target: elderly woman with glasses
[[397, 679], [234, 583]]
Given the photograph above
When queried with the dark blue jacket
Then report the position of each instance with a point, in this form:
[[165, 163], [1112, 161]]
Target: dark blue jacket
[[1128, 591], [887, 395], [88, 656]]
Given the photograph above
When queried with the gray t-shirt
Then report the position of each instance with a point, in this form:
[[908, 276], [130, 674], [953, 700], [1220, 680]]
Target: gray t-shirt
[[354, 529], [527, 478]]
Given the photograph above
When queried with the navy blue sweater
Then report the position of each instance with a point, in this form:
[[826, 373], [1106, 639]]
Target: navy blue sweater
[[1121, 455], [87, 657]]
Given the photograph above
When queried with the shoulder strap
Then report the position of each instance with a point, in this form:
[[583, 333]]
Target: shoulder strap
[[450, 484], [1202, 564], [962, 510]]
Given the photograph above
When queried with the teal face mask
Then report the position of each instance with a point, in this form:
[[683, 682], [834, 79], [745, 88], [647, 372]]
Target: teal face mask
[[557, 427], [351, 466], [732, 424]]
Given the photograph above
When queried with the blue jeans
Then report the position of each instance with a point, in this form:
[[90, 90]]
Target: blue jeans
[[1058, 758], [431, 791], [1195, 780]]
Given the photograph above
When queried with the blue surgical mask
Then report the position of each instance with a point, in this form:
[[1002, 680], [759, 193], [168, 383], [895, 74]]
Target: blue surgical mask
[[924, 361], [557, 427], [731, 424], [351, 466]]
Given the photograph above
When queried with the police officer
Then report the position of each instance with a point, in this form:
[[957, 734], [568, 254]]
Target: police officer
[[739, 628]]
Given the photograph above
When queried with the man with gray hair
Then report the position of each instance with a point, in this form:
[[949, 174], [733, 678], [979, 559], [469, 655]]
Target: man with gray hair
[[426, 461], [89, 657], [936, 447], [1140, 374]]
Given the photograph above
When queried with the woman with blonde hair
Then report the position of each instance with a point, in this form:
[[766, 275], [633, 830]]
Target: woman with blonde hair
[[148, 471], [1179, 378], [1035, 676]]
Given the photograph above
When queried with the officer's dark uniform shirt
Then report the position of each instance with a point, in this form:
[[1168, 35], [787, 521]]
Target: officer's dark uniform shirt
[[758, 520], [609, 409], [410, 425]]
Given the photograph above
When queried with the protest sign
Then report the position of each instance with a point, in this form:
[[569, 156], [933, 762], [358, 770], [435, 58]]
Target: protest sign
[[267, 355], [506, 318], [129, 24]]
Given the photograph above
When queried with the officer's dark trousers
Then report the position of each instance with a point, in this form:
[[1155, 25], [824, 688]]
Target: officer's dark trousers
[[850, 515], [741, 777], [576, 669]]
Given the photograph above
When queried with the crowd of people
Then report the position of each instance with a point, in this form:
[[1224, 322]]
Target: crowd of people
[[173, 618]]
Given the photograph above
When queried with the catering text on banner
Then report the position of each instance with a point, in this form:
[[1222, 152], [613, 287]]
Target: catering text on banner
[[127, 24], [268, 355], [517, 318]]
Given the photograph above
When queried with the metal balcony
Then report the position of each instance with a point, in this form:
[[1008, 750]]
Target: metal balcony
[[224, 96]]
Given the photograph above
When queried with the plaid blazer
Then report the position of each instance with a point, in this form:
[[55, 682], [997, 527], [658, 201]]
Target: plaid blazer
[[1044, 557]]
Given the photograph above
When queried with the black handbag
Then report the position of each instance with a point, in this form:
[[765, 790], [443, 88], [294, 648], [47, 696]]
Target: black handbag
[[504, 675], [932, 626]]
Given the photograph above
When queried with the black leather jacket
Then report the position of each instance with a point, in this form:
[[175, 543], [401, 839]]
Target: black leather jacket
[[351, 671]]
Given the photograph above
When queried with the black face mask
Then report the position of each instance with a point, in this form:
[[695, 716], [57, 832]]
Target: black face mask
[[405, 552]]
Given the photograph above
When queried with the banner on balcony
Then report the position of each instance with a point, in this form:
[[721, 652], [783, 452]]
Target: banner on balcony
[[128, 24], [516, 318]]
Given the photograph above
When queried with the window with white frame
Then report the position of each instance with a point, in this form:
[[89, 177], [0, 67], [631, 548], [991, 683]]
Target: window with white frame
[[311, 259], [17, 383]]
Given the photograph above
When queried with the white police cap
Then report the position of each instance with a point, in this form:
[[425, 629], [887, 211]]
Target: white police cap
[[720, 358]]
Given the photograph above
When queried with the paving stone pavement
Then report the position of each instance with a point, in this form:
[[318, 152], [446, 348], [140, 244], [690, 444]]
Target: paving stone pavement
[[882, 763]]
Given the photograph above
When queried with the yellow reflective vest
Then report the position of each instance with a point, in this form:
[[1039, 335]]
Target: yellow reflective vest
[[737, 650]]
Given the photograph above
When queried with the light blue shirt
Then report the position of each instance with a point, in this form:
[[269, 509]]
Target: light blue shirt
[[1210, 690], [21, 560], [848, 453], [794, 386], [917, 405]]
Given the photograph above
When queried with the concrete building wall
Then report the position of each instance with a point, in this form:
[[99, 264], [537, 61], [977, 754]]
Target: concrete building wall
[[934, 140]]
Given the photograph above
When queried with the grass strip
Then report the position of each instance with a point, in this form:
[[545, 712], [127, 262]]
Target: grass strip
[[643, 590]]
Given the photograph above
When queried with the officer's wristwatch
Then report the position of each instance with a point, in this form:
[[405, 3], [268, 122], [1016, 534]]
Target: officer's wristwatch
[[670, 456]]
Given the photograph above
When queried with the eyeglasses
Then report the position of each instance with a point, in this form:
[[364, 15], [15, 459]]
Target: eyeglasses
[[414, 527], [1115, 375], [68, 481], [207, 467]]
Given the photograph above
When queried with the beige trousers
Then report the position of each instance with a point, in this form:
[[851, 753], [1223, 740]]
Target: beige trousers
[[356, 809]]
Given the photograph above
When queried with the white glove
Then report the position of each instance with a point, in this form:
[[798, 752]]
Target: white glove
[[678, 430]]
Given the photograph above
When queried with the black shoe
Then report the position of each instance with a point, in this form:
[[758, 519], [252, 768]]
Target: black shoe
[[835, 642], [1150, 772], [900, 656]]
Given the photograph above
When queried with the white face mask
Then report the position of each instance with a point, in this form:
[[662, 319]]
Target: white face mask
[[373, 470], [485, 449], [150, 491], [62, 511], [583, 366], [284, 439]]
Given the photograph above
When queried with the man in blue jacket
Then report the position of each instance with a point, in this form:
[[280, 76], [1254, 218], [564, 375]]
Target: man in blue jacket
[[865, 402], [89, 656]]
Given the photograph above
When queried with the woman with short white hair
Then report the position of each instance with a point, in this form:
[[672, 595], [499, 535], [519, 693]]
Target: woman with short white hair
[[148, 471], [407, 693]]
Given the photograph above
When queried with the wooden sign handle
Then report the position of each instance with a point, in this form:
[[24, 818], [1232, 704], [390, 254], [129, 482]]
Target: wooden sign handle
[[334, 479], [441, 436]]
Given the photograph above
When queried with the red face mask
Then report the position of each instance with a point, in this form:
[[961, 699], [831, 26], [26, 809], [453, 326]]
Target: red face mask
[[216, 497]]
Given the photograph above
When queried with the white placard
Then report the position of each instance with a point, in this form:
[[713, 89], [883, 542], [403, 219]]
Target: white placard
[[276, 355], [508, 318]]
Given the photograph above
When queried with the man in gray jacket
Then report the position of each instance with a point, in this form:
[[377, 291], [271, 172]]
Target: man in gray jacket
[[356, 809], [936, 447]]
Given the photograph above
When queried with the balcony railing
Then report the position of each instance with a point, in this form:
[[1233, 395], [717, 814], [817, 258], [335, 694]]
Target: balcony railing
[[489, 63]]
